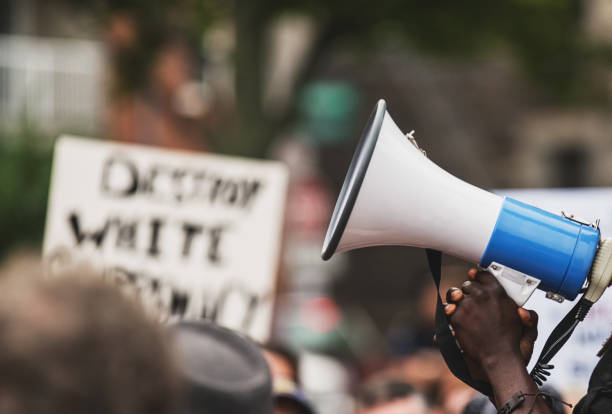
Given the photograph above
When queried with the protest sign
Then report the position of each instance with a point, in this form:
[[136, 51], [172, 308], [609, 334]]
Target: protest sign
[[576, 360], [191, 235]]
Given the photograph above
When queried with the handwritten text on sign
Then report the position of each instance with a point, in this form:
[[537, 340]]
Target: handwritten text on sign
[[193, 236]]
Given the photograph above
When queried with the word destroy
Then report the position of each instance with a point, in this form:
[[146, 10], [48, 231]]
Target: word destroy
[[121, 178]]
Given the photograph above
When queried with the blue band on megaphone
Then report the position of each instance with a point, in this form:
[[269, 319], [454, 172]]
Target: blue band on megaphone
[[554, 249]]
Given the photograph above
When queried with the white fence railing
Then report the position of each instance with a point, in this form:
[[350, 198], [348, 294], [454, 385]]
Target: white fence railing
[[52, 83]]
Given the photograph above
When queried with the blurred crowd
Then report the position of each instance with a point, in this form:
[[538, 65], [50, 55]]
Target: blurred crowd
[[77, 344], [290, 81]]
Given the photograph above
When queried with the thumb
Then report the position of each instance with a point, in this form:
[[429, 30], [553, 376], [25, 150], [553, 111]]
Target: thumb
[[528, 317], [531, 331], [530, 334]]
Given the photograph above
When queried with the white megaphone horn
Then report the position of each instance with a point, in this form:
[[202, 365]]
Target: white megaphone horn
[[394, 195]]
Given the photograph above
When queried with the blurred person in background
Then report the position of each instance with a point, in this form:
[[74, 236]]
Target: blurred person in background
[[157, 98], [289, 398], [415, 358], [391, 396], [282, 361], [75, 345], [426, 370], [411, 330], [222, 371]]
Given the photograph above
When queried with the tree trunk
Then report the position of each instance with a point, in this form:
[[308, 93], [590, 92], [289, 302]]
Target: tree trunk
[[251, 136]]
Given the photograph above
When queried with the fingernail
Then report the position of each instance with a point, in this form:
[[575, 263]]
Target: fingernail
[[525, 316], [472, 273], [449, 309], [435, 340], [466, 284], [451, 295], [456, 295]]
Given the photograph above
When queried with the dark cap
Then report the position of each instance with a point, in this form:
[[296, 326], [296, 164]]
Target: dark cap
[[224, 372]]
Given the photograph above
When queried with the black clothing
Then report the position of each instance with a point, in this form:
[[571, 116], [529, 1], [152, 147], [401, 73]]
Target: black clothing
[[599, 396]]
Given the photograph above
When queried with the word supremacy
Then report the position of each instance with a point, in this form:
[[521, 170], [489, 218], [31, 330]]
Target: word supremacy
[[162, 183]]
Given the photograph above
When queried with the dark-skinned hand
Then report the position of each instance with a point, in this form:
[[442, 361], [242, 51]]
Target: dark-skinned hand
[[488, 324]]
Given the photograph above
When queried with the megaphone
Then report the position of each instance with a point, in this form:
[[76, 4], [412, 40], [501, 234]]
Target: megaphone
[[394, 195]]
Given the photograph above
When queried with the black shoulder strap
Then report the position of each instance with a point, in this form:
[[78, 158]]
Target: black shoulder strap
[[445, 339], [557, 338]]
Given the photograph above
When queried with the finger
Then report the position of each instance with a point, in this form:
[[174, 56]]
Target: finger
[[472, 273], [467, 287], [525, 316], [531, 331], [533, 319], [530, 334], [485, 278], [454, 295], [449, 309], [529, 318], [489, 283]]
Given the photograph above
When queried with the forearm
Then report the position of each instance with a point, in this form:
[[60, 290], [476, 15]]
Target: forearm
[[508, 376]]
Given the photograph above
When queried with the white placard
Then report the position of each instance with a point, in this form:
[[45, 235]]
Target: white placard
[[576, 360], [192, 235]]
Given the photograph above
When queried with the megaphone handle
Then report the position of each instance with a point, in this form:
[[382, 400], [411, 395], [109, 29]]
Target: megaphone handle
[[517, 285], [445, 340]]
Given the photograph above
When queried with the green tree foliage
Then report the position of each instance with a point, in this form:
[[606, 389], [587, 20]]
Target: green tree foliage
[[25, 167], [545, 36]]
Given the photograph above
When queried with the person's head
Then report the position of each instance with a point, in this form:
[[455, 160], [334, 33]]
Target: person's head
[[288, 397], [390, 396], [75, 345], [172, 66], [282, 361], [223, 372]]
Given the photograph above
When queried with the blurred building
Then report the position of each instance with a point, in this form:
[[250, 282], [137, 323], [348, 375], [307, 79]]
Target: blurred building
[[570, 147], [51, 68], [598, 20]]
